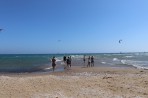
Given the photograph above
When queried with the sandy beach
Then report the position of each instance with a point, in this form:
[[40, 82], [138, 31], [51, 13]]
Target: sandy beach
[[78, 82]]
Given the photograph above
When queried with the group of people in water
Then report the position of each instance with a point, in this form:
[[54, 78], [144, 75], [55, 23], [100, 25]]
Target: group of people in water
[[67, 62], [90, 61]]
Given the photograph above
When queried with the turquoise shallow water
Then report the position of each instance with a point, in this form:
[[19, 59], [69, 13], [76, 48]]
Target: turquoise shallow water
[[37, 62], [23, 62]]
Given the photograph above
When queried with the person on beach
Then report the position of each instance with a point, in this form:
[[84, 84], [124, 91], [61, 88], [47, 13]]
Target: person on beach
[[68, 62], [64, 59], [84, 60], [92, 61], [53, 63], [89, 61]]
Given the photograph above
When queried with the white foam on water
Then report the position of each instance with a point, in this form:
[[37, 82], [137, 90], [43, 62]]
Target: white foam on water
[[103, 62], [77, 56], [137, 64], [58, 60], [123, 61], [49, 68], [116, 59], [129, 56], [62, 63]]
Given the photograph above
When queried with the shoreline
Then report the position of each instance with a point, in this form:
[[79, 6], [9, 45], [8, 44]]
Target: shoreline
[[77, 82], [75, 69], [60, 69]]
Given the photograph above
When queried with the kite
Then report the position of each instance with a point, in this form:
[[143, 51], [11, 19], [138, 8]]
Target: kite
[[120, 41], [59, 40]]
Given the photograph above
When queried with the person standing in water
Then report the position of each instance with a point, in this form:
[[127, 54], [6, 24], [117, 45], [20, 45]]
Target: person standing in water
[[70, 61], [89, 61], [84, 60], [53, 63], [64, 59], [92, 61]]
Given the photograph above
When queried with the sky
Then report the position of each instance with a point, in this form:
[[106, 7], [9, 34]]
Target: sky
[[73, 26]]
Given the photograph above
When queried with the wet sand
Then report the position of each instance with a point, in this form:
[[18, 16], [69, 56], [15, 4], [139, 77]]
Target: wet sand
[[77, 82]]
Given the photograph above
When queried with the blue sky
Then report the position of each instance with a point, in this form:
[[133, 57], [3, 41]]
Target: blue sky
[[73, 26]]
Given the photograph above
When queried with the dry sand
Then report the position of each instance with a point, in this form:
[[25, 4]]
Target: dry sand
[[96, 82]]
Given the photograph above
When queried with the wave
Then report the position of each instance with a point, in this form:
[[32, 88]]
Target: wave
[[137, 64], [129, 56], [123, 61], [116, 59], [76, 56], [58, 60], [103, 62]]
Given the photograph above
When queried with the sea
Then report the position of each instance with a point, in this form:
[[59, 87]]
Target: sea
[[42, 62]]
